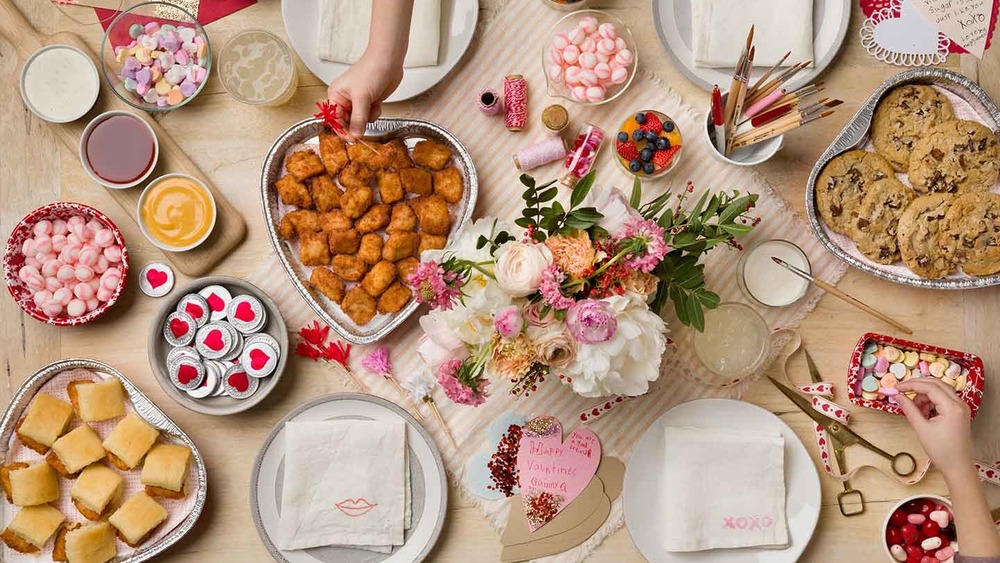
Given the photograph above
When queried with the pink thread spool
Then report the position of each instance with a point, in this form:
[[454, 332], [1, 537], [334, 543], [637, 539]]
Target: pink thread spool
[[489, 101], [515, 102], [541, 153]]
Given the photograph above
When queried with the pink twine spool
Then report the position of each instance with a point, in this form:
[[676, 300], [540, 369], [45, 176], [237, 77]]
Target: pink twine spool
[[489, 101], [515, 101], [541, 153]]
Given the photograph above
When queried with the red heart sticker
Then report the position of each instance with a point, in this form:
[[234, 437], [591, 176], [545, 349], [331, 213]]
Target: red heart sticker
[[822, 441], [595, 412], [214, 340], [239, 381], [244, 312], [156, 278], [187, 373], [178, 327], [194, 310], [216, 302], [258, 358]]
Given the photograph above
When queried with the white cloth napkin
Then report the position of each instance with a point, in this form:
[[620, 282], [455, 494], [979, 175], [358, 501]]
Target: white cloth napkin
[[345, 484], [343, 31], [719, 30], [723, 489]]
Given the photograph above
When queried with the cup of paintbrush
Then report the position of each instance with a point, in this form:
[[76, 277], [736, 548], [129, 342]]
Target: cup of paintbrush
[[751, 155]]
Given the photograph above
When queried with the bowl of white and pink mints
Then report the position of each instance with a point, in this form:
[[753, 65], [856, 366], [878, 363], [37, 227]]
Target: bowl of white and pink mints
[[590, 58]]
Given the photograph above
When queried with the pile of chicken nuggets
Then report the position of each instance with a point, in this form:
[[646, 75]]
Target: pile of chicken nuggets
[[364, 231]]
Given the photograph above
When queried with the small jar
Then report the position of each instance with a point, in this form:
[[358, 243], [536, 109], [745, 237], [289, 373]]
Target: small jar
[[256, 67], [555, 118], [734, 345], [763, 281]]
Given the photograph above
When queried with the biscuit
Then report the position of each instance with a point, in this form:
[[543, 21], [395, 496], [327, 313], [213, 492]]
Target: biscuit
[[877, 223], [903, 116], [970, 233], [841, 186], [920, 234], [955, 157]]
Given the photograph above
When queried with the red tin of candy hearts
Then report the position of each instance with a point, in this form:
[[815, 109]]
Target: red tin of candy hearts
[[972, 395]]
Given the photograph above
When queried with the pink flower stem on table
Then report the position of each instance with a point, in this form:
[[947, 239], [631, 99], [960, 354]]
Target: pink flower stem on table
[[377, 362]]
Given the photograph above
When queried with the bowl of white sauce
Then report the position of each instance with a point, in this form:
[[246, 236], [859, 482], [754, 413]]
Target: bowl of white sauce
[[59, 83], [765, 282]]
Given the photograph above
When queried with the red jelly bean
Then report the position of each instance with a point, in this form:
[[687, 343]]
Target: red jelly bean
[[910, 535], [898, 518], [893, 536], [930, 529], [927, 506], [928, 559], [914, 551]]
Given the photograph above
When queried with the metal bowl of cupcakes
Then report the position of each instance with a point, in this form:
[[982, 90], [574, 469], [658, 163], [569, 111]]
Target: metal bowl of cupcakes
[[65, 263], [590, 58], [218, 346], [648, 144]]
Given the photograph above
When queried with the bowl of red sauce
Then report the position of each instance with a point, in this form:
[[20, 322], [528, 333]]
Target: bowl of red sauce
[[119, 149]]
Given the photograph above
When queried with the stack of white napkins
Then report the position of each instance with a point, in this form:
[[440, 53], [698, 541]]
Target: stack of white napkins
[[343, 31], [723, 489], [346, 484], [719, 30]]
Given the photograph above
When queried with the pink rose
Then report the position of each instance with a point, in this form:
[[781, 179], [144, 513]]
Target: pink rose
[[509, 321], [591, 321], [533, 315]]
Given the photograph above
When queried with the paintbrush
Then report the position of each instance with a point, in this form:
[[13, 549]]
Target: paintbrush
[[734, 84], [753, 89], [754, 137], [740, 93]]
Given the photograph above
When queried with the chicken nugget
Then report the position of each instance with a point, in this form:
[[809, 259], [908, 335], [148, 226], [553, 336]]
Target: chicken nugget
[[356, 201], [405, 267], [359, 306], [304, 165], [348, 267], [400, 245], [344, 242], [431, 242], [379, 278], [333, 151], [371, 154], [390, 189], [299, 221], [325, 193], [356, 175], [394, 299], [433, 214], [371, 248], [313, 249], [293, 192], [398, 154], [335, 220], [327, 283], [431, 154], [377, 217], [403, 219], [416, 181], [447, 184]]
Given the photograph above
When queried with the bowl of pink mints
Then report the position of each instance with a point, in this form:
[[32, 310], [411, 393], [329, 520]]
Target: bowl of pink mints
[[156, 56], [590, 59], [65, 263]]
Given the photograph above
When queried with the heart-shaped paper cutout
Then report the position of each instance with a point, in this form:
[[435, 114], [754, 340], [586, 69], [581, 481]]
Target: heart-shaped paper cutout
[[156, 278], [194, 309], [215, 302], [244, 312], [966, 22], [239, 381], [186, 373], [258, 358], [553, 472], [214, 340], [908, 34], [178, 327]]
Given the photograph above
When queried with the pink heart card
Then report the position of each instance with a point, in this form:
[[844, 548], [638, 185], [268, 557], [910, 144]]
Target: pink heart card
[[552, 472]]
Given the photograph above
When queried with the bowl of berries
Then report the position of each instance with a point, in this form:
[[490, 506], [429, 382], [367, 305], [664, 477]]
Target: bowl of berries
[[919, 527], [648, 144]]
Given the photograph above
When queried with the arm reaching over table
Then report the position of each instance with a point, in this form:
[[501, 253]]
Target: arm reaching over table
[[378, 72], [942, 423]]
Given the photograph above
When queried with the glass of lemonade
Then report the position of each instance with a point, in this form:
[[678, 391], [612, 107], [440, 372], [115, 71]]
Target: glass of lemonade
[[256, 67], [734, 344]]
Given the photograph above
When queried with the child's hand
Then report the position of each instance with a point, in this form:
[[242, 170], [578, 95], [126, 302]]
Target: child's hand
[[361, 89], [942, 423]]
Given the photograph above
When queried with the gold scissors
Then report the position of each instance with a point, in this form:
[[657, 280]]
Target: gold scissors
[[841, 437]]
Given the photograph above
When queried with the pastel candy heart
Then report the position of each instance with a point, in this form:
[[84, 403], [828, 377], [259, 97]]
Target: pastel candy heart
[[258, 358], [214, 340], [244, 312], [178, 327], [186, 373], [156, 278], [239, 381]]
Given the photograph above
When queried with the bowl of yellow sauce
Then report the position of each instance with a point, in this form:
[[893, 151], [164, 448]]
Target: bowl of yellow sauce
[[176, 212]]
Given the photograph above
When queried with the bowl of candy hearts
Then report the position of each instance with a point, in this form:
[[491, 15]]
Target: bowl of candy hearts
[[65, 263], [156, 57], [590, 58], [920, 528], [648, 144]]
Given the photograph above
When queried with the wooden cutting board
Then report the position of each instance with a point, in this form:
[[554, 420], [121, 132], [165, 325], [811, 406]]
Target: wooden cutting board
[[230, 229]]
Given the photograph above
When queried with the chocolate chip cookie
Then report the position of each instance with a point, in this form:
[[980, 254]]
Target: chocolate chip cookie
[[903, 116], [843, 182], [970, 233], [955, 157], [920, 236], [877, 223]]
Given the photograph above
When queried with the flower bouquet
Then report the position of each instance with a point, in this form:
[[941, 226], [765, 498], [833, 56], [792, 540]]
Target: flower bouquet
[[573, 291]]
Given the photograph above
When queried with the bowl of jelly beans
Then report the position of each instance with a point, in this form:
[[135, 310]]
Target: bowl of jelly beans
[[156, 56], [920, 529], [648, 144]]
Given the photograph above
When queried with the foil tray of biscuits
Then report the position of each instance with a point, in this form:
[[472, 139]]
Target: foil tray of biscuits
[[145, 408], [306, 135], [857, 134]]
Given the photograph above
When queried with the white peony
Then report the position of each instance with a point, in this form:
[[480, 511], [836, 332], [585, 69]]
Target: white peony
[[519, 267], [440, 341], [627, 363], [613, 204]]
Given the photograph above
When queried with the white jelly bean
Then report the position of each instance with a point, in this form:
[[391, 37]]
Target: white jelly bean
[[931, 544], [898, 552]]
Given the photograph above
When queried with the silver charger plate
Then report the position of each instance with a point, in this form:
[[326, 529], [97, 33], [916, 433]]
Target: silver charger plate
[[855, 135], [428, 482], [144, 408], [672, 19], [307, 133]]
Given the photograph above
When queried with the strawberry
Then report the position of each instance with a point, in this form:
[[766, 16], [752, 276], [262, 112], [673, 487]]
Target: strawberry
[[652, 123], [628, 150], [662, 159]]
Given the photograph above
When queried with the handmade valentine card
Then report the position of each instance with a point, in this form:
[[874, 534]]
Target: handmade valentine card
[[966, 22], [899, 35], [965, 26], [552, 472]]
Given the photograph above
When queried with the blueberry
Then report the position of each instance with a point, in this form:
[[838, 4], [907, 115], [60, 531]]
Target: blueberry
[[650, 136], [648, 168], [638, 135], [634, 165], [668, 126], [646, 154], [640, 118], [662, 143], [622, 137]]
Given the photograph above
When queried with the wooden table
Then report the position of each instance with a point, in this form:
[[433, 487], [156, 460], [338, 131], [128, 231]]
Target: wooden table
[[228, 141]]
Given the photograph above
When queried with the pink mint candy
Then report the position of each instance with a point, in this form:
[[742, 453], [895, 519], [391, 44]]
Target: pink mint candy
[[572, 74], [595, 94], [576, 36], [66, 273], [606, 47], [588, 78], [571, 53], [28, 247], [587, 60], [619, 75], [73, 239], [62, 296], [32, 261], [624, 57], [588, 24], [76, 308], [604, 58], [113, 254], [43, 244], [43, 227], [52, 310], [588, 46], [50, 268], [559, 41], [101, 266], [104, 238], [53, 284], [556, 55], [607, 30], [84, 273], [58, 242], [555, 73], [31, 276], [93, 304], [74, 221], [109, 283], [94, 284], [579, 93], [42, 298], [59, 227], [602, 70], [620, 44], [83, 291], [104, 294]]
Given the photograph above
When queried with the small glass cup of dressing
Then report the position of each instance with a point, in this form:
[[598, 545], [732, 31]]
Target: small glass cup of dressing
[[256, 67], [733, 346]]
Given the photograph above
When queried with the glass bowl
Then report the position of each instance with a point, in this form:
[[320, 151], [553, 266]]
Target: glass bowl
[[629, 150], [118, 39], [555, 72], [566, 5]]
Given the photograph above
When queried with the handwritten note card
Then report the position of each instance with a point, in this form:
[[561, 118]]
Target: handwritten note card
[[966, 22]]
